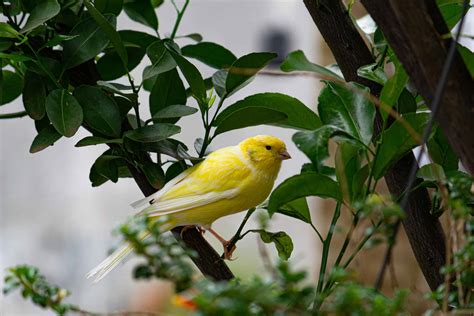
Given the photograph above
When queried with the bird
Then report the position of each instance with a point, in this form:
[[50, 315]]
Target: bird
[[229, 180]]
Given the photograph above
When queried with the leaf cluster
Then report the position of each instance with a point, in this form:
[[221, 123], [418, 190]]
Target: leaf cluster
[[34, 286]]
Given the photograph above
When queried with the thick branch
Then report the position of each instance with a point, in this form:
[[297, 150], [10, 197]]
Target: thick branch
[[423, 230], [415, 31]]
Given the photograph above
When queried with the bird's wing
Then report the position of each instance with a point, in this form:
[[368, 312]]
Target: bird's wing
[[155, 196], [180, 204], [219, 177]]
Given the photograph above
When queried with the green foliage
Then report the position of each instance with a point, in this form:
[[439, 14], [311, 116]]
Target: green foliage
[[398, 139], [64, 112], [89, 41], [11, 85], [297, 115], [34, 286], [297, 61]]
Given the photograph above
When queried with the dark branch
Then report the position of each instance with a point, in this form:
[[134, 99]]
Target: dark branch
[[417, 39], [423, 230]]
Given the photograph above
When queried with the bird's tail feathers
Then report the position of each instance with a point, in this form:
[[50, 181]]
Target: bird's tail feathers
[[109, 263]]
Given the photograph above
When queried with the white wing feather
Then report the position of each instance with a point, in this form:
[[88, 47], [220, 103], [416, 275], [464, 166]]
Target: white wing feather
[[160, 208], [140, 204]]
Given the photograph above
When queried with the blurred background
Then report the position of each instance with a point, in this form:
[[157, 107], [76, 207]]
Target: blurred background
[[52, 218]]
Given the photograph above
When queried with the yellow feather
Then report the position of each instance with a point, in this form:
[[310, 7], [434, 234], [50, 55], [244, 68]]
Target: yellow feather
[[229, 180]]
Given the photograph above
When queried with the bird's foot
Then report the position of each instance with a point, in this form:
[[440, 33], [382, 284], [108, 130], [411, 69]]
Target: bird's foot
[[228, 253]]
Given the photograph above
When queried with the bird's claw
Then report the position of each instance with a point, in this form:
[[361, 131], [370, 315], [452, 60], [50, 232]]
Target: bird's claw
[[228, 253]]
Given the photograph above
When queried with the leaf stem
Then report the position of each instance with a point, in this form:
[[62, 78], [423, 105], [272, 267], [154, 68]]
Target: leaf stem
[[13, 115], [237, 235], [135, 100], [347, 240], [317, 232], [178, 18], [325, 256], [208, 125]]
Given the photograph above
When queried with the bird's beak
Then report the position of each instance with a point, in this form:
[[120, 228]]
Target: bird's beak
[[283, 155]]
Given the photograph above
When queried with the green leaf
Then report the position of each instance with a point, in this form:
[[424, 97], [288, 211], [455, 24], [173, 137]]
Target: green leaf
[[43, 11], [142, 12], [106, 166], [218, 80], [441, 152], [15, 57], [243, 70], [45, 138], [109, 6], [94, 140], [451, 10], [358, 182], [297, 209], [174, 111], [110, 65], [58, 39], [7, 31], [154, 174], [108, 29], [302, 185], [161, 59], [248, 116], [192, 75], [468, 57], [397, 141], [347, 109], [297, 61], [170, 147], [64, 112], [431, 172], [34, 95], [88, 43], [211, 54], [347, 163], [194, 36], [100, 110], [167, 90], [139, 39], [373, 72], [11, 86], [124, 105], [157, 3], [298, 115], [282, 242], [406, 102], [392, 89], [153, 133], [314, 144]]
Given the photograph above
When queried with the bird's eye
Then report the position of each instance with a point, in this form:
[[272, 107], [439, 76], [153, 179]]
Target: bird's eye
[[268, 147]]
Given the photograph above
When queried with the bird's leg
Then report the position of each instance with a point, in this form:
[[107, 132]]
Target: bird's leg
[[225, 243]]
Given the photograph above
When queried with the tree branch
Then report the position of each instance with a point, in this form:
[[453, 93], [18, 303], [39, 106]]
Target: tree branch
[[423, 230], [417, 39]]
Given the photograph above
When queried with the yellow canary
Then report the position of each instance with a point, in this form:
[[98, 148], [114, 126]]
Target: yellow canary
[[229, 180]]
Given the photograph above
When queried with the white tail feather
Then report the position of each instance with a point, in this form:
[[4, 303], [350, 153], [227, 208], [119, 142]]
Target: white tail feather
[[100, 271]]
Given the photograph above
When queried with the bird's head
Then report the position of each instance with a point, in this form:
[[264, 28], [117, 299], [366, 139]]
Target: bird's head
[[263, 150]]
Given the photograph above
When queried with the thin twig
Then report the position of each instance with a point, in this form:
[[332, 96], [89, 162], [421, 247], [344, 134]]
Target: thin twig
[[13, 115], [237, 235], [178, 18]]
